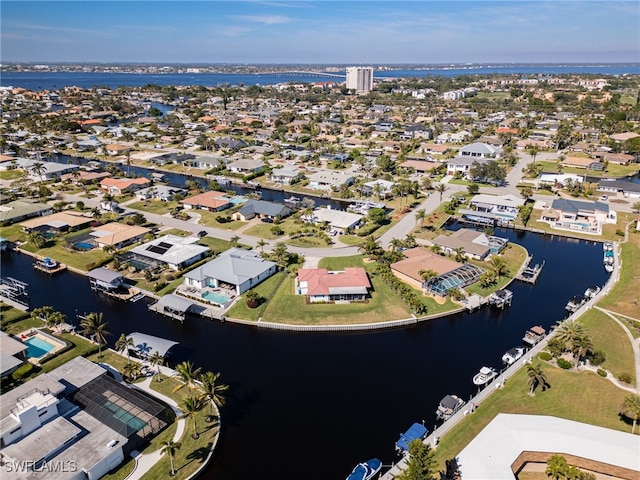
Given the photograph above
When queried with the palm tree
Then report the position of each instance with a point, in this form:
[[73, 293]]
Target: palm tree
[[498, 266], [556, 467], [132, 370], [212, 391], [280, 254], [568, 331], [582, 345], [370, 247], [190, 407], [157, 360], [420, 216], [395, 244], [535, 377], [94, 325], [261, 243], [441, 188], [427, 276], [234, 240], [38, 168], [631, 409], [170, 447], [123, 344], [460, 254], [532, 150], [187, 374], [37, 239]]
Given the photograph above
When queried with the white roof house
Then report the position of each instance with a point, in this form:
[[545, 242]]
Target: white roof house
[[337, 219], [243, 269], [329, 179], [506, 207], [482, 150], [490, 455], [176, 252]]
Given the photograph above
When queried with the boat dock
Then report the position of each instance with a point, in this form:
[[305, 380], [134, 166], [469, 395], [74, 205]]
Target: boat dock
[[49, 267], [501, 298], [529, 274], [14, 293], [131, 295]]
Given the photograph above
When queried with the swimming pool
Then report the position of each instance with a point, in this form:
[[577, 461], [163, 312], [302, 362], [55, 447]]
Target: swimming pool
[[126, 417], [215, 297], [84, 246], [38, 347]]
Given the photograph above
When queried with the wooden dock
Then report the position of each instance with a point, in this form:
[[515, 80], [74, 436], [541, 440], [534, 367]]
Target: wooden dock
[[131, 295], [43, 267], [529, 274]]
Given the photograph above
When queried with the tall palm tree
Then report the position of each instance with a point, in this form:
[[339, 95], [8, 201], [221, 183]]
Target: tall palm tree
[[234, 240], [582, 345], [132, 370], [212, 391], [568, 331], [123, 344], [499, 267], [170, 447], [556, 467], [535, 377], [420, 216], [280, 254], [261, 243], [156, 360], [38, 168], [190, 407], [441, 188], [631, 409], [532, 150], [395, 244], [187, 375], [370, 247], [427, 275], [95, 327], [37, 239], [460, 254]]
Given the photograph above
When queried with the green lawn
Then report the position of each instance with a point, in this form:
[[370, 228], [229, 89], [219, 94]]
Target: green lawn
[[624, 295], [82, 348], [209, 219], [609, 337], [266, 290], [13, 233], [514, 256], [11, 174], [73, 258], [598, 404], [309, 242], [216, 244], [263, 230], [154, 206], [611, 171], [608, 230], [10, 315]]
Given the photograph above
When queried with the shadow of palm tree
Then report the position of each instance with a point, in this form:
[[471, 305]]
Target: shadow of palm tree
[[198, 455]]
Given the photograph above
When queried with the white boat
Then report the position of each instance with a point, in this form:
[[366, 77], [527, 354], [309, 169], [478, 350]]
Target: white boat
[[609, 267], [448, 406], [574, 304], [512, 355], [485, 375], [293, 200], [607, 246], [534, 335], [591, 291]]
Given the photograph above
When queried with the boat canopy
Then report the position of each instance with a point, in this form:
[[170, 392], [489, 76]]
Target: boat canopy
[[449, 402], [416, 431]]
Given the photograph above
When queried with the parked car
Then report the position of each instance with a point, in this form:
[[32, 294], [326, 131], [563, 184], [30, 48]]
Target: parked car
[[604, 198], [201, 233], [266, 220]]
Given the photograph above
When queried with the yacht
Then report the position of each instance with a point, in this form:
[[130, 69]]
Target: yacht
[[534, 335], [484, 376], [512, 355]]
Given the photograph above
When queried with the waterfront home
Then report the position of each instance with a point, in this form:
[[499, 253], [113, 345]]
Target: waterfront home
[[480, 150], [329, 179], [114, 234], [118, 186], [474, 244], [68, 417], [105, 279], [13, 353], [450, 274], [615, 158], [261, 209], [57, 222], [584, 216], [235, 270], [211, 201], [170, 250], [462, 165], [503, 207], [83, 176], [320, 285], [554, 179], [626, 188], [419, 166], [450, 137], [50, 170], [246, 166], [380, 188], [117, 149], [580, 162], [159, 192], [18, 210], [173, 157], [623, 137], [512, 444], [285, 175], [339, 221]]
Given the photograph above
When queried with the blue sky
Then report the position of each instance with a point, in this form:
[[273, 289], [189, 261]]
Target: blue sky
[[281, 31]]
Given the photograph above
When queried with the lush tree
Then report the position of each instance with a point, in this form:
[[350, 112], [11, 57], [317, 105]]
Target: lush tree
[[170, 447], [50, 317], [234, 240], [123, 344], [261, 243], [421, 464], [132, 370], [377, 215], [156, 360], [582, 346], [460, 254], [190, 407], [187, 375], [557, 467], [532, 150], [535, 377], [370, 247], [212, 391], [280, 254], [37, 239], [568, 331], [498, 266], [420, 216], [428, 275], [631, 409], [441, 188], [38, 168], [93, 324], [473, 188]]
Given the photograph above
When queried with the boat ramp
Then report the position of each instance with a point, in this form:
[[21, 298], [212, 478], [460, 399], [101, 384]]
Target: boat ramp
[[529, 274]]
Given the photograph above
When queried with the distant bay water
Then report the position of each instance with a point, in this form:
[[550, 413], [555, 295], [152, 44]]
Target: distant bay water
[[51, 80]]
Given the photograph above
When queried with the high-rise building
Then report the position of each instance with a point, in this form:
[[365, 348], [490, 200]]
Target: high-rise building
[[360, 79]]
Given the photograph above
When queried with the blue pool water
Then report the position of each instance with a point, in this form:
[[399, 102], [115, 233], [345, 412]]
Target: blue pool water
[[37, 347], [83, 246], [215, 297], [237, 200], [126, 417]]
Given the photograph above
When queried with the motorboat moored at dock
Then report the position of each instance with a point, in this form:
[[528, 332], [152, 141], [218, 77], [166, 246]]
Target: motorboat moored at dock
[[484, 376], [574, 304], [365, 470], [512, 355], [591, 292], [534, 335], [417, 431], [448, 406]]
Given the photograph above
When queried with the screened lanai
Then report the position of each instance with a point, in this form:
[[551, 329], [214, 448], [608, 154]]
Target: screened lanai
[[458, 278]]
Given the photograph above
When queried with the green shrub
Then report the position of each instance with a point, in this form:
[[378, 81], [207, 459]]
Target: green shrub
[[564, 364], [602, 373], [23, 371], [546, 356], [620, 233], [555, 346], [597, 358], [625, 377]]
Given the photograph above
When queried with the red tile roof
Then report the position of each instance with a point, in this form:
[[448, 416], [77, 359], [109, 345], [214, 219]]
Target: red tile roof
[[320, 281]]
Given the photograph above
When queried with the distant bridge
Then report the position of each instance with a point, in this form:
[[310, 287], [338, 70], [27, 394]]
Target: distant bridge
[[305, 73]]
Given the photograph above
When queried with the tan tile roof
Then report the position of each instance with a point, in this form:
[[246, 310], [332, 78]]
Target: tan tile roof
[[210, 199], [420, 258], [118, 232]]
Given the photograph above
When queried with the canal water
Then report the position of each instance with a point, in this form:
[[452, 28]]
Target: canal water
[[314, 405]]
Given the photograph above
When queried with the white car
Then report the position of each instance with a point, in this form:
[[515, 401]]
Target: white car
[[604, 198]]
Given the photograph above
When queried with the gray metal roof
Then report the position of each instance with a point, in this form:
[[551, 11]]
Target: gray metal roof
[[262, 207], [174, 302], [76, 373], [567, 205], [234, 266], [103, 274], [8, 363], [148, 344]]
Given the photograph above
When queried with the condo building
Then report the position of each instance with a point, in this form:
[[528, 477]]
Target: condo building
[[360, 79]]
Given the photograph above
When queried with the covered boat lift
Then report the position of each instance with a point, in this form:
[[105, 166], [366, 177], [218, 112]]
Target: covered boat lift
[[417, 431], [146, 345], [172, 306]]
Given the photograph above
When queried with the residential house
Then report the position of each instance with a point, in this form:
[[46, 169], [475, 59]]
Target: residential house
[[326, 179], [117, 149], [615, 158], [480, 150], [13, 353], [626, 188], [57, 222], [474, 244], [416, 131], [453, 137], [211, 201], [246, 166], [170, 250], [419, 166], [504, 207], [118, 235], [462, 165], [623, 137], [229, 143], [261, 209], [380, 188], [320, 285], [118, 186], [580, 162], [339, 221], [578, 215], [159, 192], [18, 210], [285, 175], [236, 269]]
